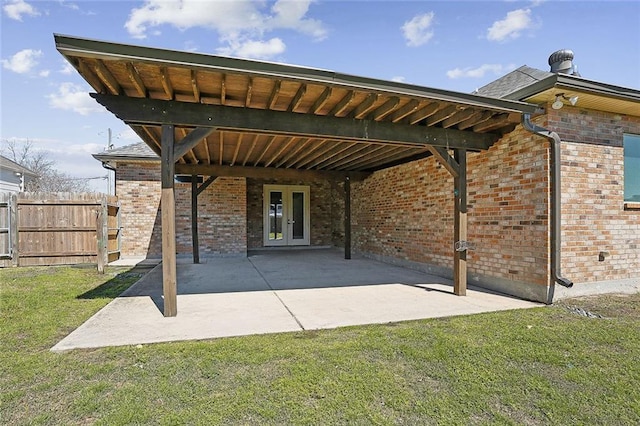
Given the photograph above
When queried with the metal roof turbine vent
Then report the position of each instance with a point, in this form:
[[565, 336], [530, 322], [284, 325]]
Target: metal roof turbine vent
[[562, 62]]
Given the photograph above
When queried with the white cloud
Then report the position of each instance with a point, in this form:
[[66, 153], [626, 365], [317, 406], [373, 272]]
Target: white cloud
[[15, 9], [398, 79], [480, 71], [238, 23], [67, 68], [72, 97], [23, 61], [255, 49], [44, 73], [418, 30], [511, 26]]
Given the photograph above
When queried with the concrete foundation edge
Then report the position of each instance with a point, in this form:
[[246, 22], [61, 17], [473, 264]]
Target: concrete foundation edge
[[520, 289], [627, 286]]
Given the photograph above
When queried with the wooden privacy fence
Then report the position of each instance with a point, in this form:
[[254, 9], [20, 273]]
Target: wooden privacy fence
[[58, 229]]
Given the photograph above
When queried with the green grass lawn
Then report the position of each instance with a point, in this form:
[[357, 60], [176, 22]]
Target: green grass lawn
[[537, 366]]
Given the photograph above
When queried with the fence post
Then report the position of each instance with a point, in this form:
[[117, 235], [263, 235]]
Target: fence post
[[102, 236], [15, 250]]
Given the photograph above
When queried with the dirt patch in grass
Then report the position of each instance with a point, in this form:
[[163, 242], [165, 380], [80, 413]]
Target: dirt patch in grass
[[607, 306]]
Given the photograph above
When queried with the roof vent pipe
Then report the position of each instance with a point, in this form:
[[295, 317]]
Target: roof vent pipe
[[561, 62]]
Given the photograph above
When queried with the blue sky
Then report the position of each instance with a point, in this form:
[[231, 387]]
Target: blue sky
[[454, 45]]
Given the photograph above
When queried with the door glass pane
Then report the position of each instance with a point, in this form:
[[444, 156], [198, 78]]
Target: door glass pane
[[298, 215], [275, 216]]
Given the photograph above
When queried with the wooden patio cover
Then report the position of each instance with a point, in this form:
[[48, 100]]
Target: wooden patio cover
[[218, 116]]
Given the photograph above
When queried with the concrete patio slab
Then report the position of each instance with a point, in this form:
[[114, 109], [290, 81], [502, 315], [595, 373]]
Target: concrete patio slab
[[273, 292]]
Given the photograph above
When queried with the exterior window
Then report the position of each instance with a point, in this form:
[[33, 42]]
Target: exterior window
[[631, 144]]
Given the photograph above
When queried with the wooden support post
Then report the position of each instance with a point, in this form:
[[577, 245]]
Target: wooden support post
[[167, 169], [194, 219], [102, 234], [347, 218], [460, 224]]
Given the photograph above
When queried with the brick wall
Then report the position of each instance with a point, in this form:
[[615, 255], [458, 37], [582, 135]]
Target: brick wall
[[406, 212], [221, 213], [326, 219], [593, 216]]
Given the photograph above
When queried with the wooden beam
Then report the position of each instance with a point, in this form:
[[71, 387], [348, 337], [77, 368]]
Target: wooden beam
[[273, 98], [460, 225], [459, 117], [191, 140], [297, 99], [423, 113], [347, 217], [247, 100], [264, 151], [91, 77], [107, 78], [322, 100], [443, 114], [445, 159], [365, 106], [235, 153], [253, 146], [223, 89], [385, 109], [194, 220], [166, 82], [283, 147], [194, 85], [153, 111], [136, 80], [168, 223], [265, 172], [342, 105], [409, 108], [206, 184]]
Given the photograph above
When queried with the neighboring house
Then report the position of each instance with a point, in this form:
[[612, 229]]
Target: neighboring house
[[13, 176], [522, 238]]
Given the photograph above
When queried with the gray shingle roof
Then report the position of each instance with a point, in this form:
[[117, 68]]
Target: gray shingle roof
[[138, 150], [512, 82]]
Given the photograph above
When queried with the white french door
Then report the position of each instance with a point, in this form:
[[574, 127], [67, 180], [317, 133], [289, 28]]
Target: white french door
[[286, 215]]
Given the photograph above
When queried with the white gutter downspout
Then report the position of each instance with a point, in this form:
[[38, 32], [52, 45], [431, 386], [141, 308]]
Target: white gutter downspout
[[556, 203]]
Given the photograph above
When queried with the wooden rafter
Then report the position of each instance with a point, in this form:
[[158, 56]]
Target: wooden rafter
[[367, 150], [223, 89], [322, 100], [237, 150], [206, 150], [166, 83], [423, 113], [264, 151], [329, 145], [441, 115], [247, 98], [107, 78], [194, 85], [458, 117], [273, 98], [343, 104], [294, 152], [134, 76], [341, 148], [385, 109], [91, 77], [221, 139], [250, 151], [409, 108], [473, 120], [283, 147], [365, 106], [319, 143], [359, 148], [297, 99]]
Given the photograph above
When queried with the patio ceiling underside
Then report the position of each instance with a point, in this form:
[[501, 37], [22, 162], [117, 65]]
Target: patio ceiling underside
[[352, 124]]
